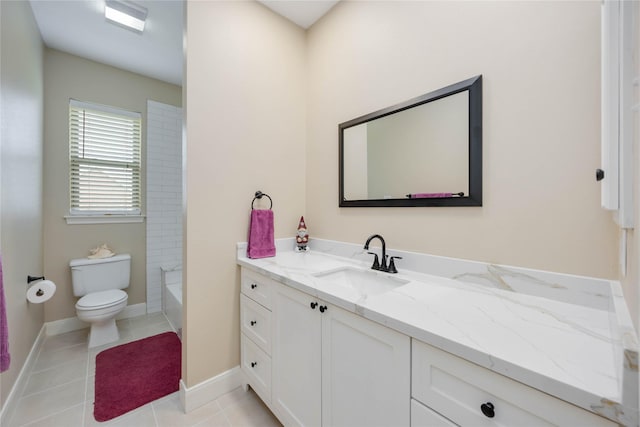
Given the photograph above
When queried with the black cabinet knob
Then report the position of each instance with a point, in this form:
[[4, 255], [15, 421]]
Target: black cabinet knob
[[313, 305], [253, 364], [253, 286], [253, 322], [599, 174], [323, 308], [487, 410]]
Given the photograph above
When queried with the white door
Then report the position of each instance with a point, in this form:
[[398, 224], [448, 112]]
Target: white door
[[365, 372], [296, 357]]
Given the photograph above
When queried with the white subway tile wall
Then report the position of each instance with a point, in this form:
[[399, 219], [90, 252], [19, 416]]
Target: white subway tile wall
[[164, 196]]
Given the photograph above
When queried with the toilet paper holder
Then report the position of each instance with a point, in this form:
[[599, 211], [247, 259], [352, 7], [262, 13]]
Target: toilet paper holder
[[33, 279], [41, 291]]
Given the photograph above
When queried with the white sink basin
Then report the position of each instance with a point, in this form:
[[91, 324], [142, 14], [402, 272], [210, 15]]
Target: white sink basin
[[366, 282]]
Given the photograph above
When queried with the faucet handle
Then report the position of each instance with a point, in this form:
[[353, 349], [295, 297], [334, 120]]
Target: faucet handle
[[392, 264], [376, 263]]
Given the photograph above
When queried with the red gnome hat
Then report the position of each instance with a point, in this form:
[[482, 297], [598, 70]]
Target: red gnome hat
[[302, 225]]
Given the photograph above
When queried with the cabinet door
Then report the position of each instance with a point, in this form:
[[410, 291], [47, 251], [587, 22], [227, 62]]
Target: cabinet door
[[296, 357], [256, 286], [255, 322], [365, 372], [256, 364]]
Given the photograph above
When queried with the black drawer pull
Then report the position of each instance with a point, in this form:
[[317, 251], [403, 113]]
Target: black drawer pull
[[253, 364], [253, 322], [253, 286], [313, 305], [323, 308], [487, 410]]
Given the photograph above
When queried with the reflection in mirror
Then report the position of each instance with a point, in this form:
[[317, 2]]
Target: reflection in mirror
[[434, 155], [424, 152]]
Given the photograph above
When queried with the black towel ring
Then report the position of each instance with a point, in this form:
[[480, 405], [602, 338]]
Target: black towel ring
[[259, 195]]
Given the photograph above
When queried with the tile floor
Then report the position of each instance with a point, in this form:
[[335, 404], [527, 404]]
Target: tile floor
[[60, 388]]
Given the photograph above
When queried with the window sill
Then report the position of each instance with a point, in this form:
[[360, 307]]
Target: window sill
[[103, 219]]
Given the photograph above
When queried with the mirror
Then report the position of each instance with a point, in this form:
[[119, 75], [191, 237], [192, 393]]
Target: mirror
[[423, 152]]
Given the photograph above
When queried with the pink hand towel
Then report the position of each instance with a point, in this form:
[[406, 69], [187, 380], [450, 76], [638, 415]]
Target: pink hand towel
[[5, 358], [261, 243]]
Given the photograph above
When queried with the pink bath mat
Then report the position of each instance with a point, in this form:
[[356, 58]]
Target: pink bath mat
[[134, 374]]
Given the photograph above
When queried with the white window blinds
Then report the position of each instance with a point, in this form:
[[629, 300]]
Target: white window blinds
[[104, 158]]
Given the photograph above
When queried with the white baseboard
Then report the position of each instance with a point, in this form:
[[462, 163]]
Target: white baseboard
[[63, 326], [209, 390], [70, 324], [21, 381]]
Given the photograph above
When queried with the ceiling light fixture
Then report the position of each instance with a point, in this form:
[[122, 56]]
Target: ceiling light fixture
[[125, 14]]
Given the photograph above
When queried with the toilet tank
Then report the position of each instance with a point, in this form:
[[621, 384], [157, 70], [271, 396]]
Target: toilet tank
[[94, 275]]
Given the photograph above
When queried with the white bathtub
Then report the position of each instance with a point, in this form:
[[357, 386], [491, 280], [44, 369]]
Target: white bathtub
[[172, 296]]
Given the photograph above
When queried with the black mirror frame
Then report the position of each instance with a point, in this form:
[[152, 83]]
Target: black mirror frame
[[474, 198]]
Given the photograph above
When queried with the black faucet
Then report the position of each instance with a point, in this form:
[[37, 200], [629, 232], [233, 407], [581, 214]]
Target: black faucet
[[381, 266], [376, 265]]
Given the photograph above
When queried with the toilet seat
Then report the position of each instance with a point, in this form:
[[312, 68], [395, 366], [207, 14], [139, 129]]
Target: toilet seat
[[102, 299]]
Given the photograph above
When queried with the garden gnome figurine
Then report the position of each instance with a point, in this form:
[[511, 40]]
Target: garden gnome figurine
[[302, 237]]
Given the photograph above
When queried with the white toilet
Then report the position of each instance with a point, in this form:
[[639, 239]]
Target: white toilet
[[100, 282]]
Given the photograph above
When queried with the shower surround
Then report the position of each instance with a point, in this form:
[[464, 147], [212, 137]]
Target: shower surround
[[164, 196]]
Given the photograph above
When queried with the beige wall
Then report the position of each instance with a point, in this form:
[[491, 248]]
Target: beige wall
[[245, 109], [250, 74], [68, 76], [21, 89], [540, 63]]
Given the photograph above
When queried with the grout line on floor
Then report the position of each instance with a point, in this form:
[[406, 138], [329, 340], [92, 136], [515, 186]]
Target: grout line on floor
[[153, 411], [60, 384], [86, 390], [49, 415], [224, 414]]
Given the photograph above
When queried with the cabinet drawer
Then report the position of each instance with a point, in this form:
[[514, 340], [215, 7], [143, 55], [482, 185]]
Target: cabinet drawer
[[421, 416], [256, 286], [255, 322], [457, 389], [256, 365]]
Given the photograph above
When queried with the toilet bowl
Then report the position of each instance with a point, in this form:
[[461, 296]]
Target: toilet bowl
[[100, 310], [99, 283]]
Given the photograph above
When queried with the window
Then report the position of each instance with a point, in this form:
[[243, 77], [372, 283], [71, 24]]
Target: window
[[104, 158]]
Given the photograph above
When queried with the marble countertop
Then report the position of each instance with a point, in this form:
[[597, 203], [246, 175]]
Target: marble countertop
[[565, 335]]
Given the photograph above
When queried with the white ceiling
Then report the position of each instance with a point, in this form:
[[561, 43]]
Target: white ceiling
[[79, 27], [302, 12]]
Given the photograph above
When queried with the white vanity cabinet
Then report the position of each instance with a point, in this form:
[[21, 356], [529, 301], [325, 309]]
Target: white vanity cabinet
[[255, 327], [315, 364], [470, 395], [330, 367]]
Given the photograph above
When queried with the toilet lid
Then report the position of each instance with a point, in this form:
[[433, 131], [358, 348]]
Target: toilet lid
[[101, 299]]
